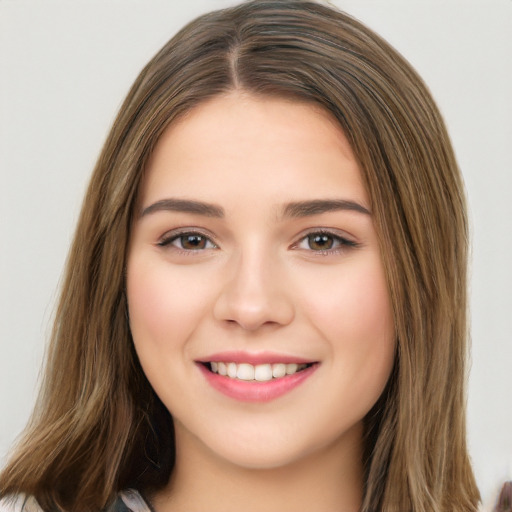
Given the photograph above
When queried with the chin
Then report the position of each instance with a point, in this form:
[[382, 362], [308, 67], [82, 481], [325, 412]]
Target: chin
[[271, 450], [258, 458]]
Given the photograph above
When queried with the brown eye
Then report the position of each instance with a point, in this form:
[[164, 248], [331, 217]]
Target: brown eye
[[192, 242], [324, 242], [320, 241], [187, 242]]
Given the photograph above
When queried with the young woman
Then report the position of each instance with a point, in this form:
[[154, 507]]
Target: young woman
[[265, 301]]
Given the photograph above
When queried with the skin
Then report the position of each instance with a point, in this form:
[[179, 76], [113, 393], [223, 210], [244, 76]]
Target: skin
[[257, 283]]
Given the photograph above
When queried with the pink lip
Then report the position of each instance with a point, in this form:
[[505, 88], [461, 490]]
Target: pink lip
[[254, 359], [253, 391]]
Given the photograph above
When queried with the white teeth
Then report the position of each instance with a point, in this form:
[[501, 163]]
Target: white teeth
[[260, 372], [291, 368], [231, 370], [244, 371], [278, 370], [263, 372]]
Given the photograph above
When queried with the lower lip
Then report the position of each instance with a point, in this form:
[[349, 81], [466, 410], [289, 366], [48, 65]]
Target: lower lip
[[255, 391]]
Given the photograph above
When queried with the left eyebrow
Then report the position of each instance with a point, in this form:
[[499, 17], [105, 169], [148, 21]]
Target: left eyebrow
[[318, 206]]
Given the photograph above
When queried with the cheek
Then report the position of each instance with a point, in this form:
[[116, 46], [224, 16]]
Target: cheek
[[356, 319], [164, 306], [354, 301], [367, 308]]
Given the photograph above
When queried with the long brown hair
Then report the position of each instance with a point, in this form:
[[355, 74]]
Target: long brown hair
[[99, 427]]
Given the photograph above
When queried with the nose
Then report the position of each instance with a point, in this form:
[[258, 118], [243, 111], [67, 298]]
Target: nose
[[254, 293]]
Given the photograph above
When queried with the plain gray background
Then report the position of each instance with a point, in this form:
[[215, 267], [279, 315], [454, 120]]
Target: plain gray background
[[64, 70]]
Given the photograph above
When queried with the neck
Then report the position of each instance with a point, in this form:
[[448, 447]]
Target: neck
[[328, 480]]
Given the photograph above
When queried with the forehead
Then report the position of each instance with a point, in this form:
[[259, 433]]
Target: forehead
[[239, 146]]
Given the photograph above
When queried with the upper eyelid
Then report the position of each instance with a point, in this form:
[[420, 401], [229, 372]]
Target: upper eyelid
[[344, 243], [335, 233], [175, 233]]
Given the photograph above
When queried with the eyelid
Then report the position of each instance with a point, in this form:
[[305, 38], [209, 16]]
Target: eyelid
[[169, 236], [346, 242]]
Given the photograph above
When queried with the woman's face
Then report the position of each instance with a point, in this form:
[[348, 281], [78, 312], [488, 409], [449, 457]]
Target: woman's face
[[254, 253]]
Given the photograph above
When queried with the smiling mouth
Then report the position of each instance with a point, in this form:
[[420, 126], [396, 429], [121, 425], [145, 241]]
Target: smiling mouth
[[257, 373]]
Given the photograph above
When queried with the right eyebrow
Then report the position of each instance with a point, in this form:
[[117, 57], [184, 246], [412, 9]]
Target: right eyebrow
[[185, 206]]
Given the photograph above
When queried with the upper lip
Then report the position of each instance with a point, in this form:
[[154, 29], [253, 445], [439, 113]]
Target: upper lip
[[253, 358]]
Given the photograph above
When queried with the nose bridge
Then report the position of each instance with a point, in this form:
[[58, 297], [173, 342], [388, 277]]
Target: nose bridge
[[252, 271], [254, 292]]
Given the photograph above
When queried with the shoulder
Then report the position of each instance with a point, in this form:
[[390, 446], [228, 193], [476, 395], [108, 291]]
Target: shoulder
[[127, 501]]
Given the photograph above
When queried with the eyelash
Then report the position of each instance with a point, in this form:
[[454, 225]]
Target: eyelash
[[168, 239], [340, 243]]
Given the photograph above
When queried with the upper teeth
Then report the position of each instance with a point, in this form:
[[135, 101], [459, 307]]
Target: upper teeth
[[260, 372]]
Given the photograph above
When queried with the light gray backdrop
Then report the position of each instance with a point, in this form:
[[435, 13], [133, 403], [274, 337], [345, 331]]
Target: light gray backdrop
[[64, 70]]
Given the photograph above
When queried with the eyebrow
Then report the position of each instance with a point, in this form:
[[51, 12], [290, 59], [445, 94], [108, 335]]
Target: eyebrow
[[293, 210], [186, 206], [318, 206]]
